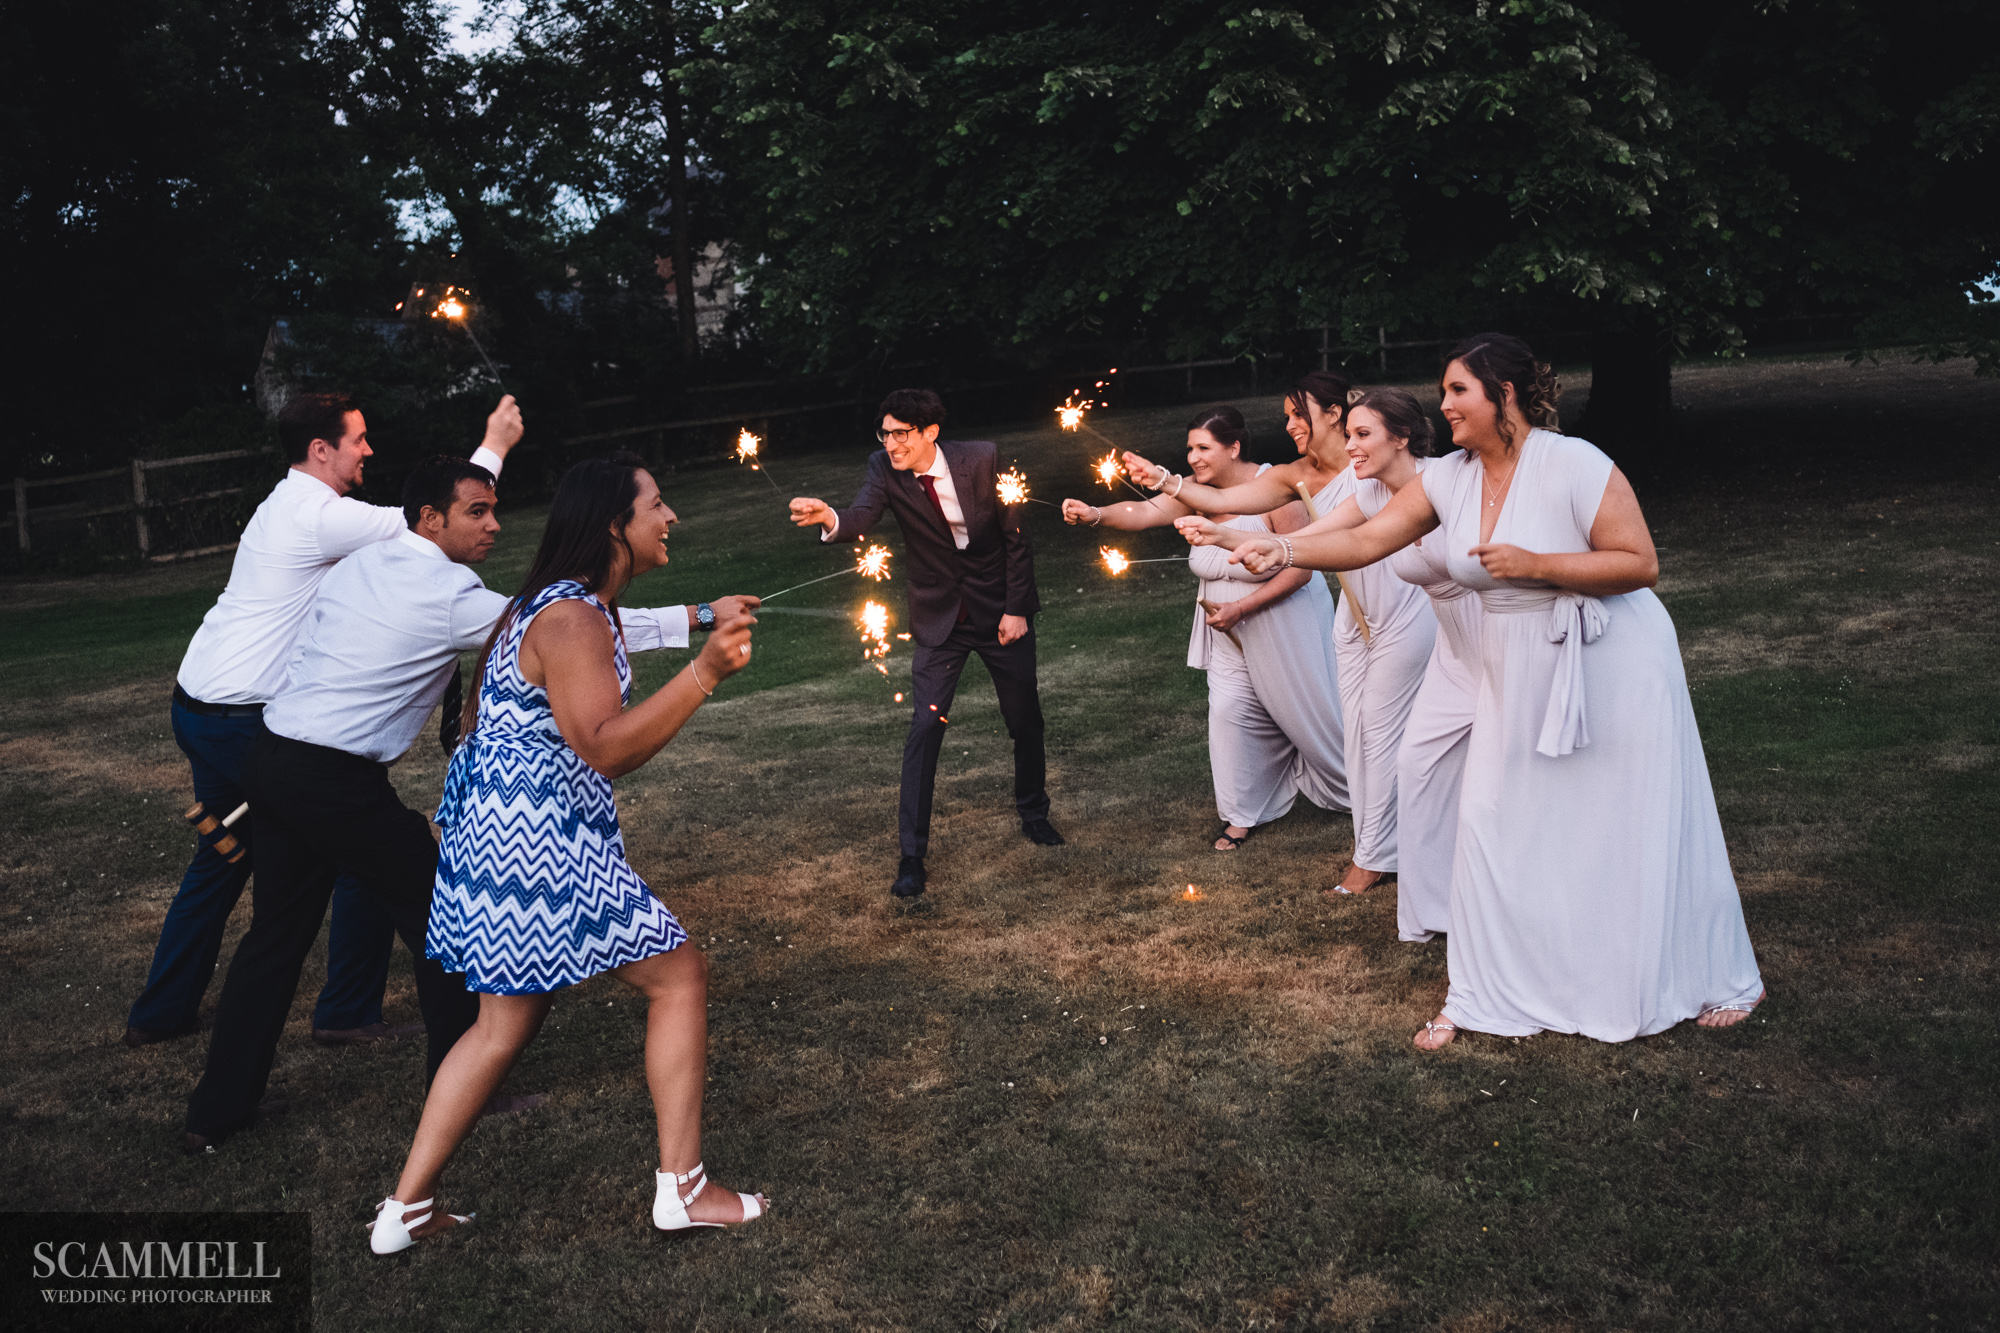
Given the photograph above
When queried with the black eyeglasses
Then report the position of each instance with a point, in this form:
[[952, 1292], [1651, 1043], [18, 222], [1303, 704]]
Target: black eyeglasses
[[900, 436]]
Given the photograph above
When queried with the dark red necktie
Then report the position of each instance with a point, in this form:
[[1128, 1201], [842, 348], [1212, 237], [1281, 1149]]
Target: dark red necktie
[[929, 483]]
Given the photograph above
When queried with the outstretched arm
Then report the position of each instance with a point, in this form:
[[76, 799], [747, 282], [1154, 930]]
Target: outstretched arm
[[1407, 517], [1290, 520], [846, 525], [1621, 557], [1127, 515], [1258, 496]]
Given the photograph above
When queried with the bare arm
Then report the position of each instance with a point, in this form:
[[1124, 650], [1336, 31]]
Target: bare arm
[[1127, 516], [1201, 531], [1621, 557], [568, 651], [1258, 496], [1407, 517]]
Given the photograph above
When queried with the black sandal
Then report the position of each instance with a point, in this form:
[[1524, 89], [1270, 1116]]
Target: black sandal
[[1233, 841]]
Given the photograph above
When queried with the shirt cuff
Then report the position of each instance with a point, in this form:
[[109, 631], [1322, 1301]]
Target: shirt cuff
[[486, 458]]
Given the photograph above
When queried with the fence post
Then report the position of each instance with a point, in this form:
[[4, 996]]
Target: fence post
[[1323, 349], [21, 512], [139, 508], [1382, 342]]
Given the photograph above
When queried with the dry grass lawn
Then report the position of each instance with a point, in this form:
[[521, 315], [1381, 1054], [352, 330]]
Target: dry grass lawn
[[1056, 1093]]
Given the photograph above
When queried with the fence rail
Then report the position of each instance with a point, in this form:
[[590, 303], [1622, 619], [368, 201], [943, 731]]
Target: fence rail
[[143, 507]]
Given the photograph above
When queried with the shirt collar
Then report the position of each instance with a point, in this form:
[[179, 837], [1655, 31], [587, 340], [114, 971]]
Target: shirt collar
[[424, 544], [938, 467]]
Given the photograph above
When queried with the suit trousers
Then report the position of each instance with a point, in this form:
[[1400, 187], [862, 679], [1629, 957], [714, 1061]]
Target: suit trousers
[[320, 813], [934, 682], [357, 960]]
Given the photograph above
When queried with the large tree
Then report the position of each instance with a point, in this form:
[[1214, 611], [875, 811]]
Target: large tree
[[1197, 176]]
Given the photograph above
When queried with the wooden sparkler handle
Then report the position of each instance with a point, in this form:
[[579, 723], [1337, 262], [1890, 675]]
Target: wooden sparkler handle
[[1354, 606], [221, 841]]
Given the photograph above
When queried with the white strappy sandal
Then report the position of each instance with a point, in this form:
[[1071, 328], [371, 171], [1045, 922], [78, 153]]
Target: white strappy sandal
[[389, 1233], [1433, 1028], [670, 1206]]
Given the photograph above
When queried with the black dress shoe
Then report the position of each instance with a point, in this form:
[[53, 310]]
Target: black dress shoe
[[137, 1037], [270, 1108], [909, 877], [1041, 832]]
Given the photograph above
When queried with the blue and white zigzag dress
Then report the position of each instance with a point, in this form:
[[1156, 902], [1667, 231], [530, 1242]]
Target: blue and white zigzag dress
[[533, 889]]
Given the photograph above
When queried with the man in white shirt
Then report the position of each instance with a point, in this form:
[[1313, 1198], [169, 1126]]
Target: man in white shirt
[[376, 655], [233, 667]]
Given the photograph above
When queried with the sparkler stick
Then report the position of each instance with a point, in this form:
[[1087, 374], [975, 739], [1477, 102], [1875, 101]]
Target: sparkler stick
[[1354, 606], [746, 452], [454, 310], [872, 563], [1013, 489], [1070, 417]]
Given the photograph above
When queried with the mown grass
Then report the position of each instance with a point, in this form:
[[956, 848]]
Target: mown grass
[[1058, 1094]]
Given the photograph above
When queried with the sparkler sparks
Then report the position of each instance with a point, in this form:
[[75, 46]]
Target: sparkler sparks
[[1114, 561], [872, 563], [747, 446], [1109, 470], [1013, 487], [875, 635], [451, 308]]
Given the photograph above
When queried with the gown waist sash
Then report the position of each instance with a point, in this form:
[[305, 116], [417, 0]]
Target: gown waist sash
[[1573, 621]]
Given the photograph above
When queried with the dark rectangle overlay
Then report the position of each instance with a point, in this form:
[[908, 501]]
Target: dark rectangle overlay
[[137, 1272]]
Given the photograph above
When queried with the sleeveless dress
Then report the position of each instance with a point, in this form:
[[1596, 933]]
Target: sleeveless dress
[[1591, 890], [1274, 723], [533, 889], [1436, 735], [1379, 676]]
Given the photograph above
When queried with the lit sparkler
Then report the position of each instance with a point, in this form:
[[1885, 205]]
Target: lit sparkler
[[450, 308], [872, 563], [1013, 489], [747, 446], [1117, 563], [875, 634]]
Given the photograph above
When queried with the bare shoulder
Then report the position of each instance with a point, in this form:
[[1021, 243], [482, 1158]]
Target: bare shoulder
[[570, 622]]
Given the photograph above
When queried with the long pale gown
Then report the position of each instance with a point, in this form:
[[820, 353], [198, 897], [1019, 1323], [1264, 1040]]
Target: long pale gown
[[1591, 891], [1274, 720], [1379, 676], [1435, 739]]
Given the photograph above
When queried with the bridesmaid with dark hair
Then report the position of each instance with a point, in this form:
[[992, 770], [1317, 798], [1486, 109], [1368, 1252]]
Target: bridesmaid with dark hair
[[1591, 889], [1384, 627], [1274, 722], [534, 892]]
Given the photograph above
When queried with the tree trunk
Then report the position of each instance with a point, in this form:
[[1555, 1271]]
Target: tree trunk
[[677, 195], [1631, 386]]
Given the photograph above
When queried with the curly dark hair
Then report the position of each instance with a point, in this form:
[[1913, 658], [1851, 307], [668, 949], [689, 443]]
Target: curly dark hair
[[1495, 359]]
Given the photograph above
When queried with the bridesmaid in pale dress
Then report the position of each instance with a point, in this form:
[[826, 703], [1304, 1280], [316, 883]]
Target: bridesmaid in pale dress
[[1383, 634], [1591, 889], [1389, 438], [1274, 718]]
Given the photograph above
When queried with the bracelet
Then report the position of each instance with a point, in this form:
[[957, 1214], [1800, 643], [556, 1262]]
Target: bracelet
[[1178, 480], [1288, 551], [1097, 516], [707, 692]]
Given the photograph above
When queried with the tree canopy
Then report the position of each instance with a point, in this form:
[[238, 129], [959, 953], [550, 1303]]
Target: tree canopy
[[1006, 182]]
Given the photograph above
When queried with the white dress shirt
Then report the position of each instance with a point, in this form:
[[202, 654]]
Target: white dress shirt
[[304, 526], [382, 640], [947, 495]]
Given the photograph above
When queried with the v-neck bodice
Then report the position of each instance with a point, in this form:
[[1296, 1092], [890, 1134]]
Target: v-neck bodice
[[1549, 509]]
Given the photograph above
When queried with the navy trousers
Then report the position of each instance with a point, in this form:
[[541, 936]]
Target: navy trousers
[[191, 937], [934, 684]]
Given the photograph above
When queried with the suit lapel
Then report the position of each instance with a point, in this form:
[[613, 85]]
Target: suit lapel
[[961, 481]]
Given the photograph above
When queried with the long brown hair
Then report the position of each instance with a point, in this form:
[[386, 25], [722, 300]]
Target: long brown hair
[[1495, 359], [586, 530]]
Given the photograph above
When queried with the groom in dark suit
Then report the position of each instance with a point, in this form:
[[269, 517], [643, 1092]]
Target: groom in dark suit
[[971, 582]]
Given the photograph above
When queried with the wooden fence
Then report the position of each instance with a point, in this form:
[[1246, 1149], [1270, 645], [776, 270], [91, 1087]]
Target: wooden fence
[[137, 499]]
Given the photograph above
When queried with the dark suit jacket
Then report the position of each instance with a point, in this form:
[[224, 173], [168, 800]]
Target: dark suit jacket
[[993, 576]]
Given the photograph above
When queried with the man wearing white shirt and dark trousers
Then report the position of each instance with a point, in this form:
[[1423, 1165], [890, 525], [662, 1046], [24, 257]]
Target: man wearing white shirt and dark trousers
[[233, 667], [376, 656], [971, 580]]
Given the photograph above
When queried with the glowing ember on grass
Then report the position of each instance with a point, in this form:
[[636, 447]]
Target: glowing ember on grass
[[1193, 895], [1012, 486], [873, 563], [1114, 561]]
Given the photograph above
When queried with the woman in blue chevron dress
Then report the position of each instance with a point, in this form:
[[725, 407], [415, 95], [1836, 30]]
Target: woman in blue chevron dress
[[534, 892]]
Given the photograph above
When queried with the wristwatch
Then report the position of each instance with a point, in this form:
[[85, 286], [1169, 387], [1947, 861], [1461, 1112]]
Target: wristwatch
[[704, 616]]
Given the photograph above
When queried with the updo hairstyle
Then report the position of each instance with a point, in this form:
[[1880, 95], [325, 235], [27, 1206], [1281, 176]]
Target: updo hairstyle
[[1225, 423], [1495, 359], [1329, 390], [1401, 414]]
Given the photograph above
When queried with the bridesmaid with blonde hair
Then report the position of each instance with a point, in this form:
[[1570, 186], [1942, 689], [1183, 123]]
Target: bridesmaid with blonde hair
[[1591, 888]]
